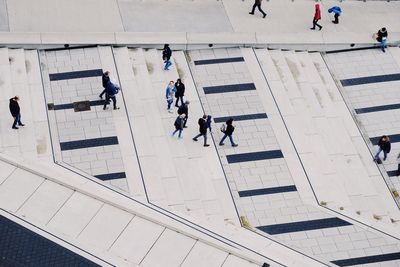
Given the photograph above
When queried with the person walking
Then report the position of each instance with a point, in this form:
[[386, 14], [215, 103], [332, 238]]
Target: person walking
[[180, 91], [105, 78], [384, 145], [228, 131], [257, 3], [166, 55], [111, 91], [381, 37], [184, 109], [179, 125], [317, 17], [209, 121], [202, 129], [169, 94], [15, 112], [337, 11]]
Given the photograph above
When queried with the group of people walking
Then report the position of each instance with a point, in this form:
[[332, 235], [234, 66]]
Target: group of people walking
[[111, 89], [177, 90]]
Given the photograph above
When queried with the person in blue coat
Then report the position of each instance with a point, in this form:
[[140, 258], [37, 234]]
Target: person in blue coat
[[337, 11], [111, 91]]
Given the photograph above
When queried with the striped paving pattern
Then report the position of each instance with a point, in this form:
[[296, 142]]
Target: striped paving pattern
[[86, 134], [278, 209]]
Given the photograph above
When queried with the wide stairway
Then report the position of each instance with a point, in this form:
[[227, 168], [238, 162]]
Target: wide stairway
[[113, 186]]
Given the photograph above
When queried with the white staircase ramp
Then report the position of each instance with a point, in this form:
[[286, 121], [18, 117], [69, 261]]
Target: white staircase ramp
[[336, 160], [118, 230], [39, 116], [188, 179]]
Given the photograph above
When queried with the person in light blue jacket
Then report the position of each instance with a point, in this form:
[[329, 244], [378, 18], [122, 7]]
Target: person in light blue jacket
[[169, 93], [337, 11]]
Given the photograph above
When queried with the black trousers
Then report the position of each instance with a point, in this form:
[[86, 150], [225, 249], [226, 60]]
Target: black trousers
[[259, 8], [315, 23], [107, 101], [102, 93], [336, 18], [177, 99]]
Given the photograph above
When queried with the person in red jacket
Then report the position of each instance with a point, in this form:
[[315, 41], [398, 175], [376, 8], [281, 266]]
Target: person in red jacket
[[317, 16]]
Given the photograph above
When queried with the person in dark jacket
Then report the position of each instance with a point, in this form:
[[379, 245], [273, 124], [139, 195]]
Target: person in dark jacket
[[337, 11], [180, 91], [105, 78], [179, 125], [184, 109], [111, 91], [209, 121], [166, 55], [15, 112], [228, 133], [384, 145], [381, 37], [202, 129], [257, 3], [317, 17]]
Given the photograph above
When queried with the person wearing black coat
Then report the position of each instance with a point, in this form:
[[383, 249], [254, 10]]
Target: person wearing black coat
[[184, 109], [202, 129], [180, 91], [384, 145], [15, 112], [105, 78], [166, 55], [381, 37], [229, 129]]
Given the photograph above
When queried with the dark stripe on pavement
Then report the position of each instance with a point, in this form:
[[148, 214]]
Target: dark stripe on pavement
[[377, 108], [229, 88], [267, 191], [253, 156], [218, 60], [371, 79], [68, 106], [303, 226], [394, 138], [75, 74], [103, 141], [111, 176], [242, 117], [368, 259]]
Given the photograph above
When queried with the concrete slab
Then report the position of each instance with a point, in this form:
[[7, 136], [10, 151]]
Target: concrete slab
[[65, 16], [3, 16], [174, 16]]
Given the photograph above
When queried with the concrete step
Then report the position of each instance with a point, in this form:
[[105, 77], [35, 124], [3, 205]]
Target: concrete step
[[125, 121], [93, 225], [37, 99]]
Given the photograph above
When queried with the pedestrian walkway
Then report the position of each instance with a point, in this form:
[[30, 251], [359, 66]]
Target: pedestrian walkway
[[261, 181], [73, 223], [84, 136], [21, 76], [370, 84]]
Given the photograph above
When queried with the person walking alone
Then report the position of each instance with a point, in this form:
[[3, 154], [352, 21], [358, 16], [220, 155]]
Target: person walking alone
[[105, 78], [317, 17], [337, 11], [381, 37], [257, 3], [15, 112], [228, 131], [384, 145], [169, 93], [166, 55], [184, 109], [202, 129], [111, 91], [180, 91], [179, 125]]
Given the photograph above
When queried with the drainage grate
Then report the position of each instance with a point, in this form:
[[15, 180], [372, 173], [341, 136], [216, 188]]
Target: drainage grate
[[81, 106]]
